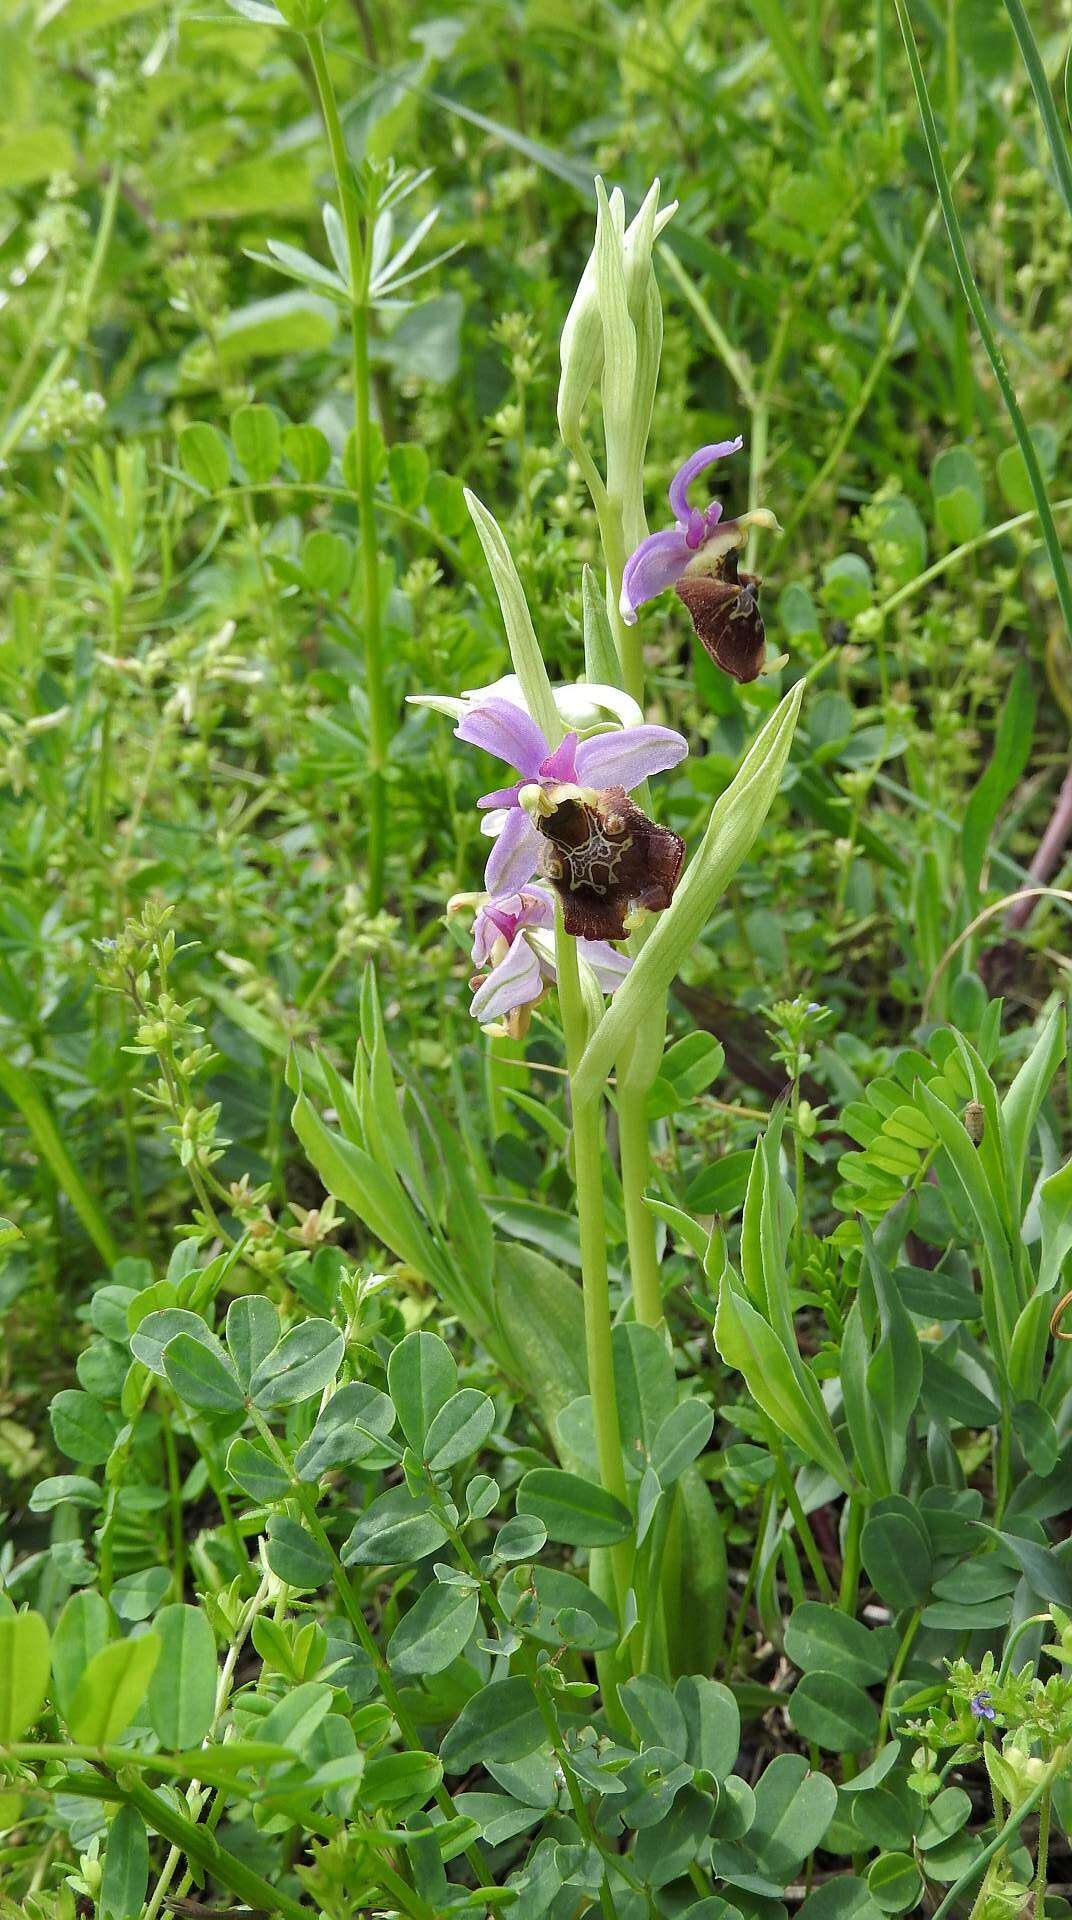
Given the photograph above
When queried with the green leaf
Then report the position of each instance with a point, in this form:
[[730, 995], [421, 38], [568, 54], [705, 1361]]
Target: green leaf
[[521, 639], [256, 440], [203, 1375], [959, 499], [83, 1628], [656, 1715], [255, 1471], [734, 824], [152, 1334], [541, 1313], [251, 1330], [664, 1851], [422, 1375], [520, 1538], [203, 452], [712, 1724], [843, 1897], [35, 153], [1011, 752], [681, 1438], [182, 1691], [308, 452], [502, 1723], [395, 1530], [408, 465], [459, 1429], [327, 561], [434, 1632], [295, 1718], [824, 1637], [24, 1671], [400, 1780], [1055, 1214], [21, 1088], [573, 1510], [747, 1343], [834, 1712], [297, 323], [294, 1555], [356, 1419], [126, 1867], [305, 1362], [112, 1689], [1046, 1574], [645, 1383], [83, 1429], [896, 1553], [894, 1882], [794, 1807]]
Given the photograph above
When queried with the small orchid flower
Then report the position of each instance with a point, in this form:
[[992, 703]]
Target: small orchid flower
[[604, 857], [698, 558], [512, 936], [581, 705]]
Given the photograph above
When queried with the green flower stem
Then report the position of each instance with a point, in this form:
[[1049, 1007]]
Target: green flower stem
[[1044, 100], [977, 308], [588, 1179], [352, 1608], [635, 1149], [375, 689]]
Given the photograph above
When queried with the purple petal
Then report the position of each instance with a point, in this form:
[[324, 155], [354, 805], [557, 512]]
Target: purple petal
[[506, 731], [515, 982], [501, 796], [514, 856], [657, 563], [562, 763], [609, 966], [626, 758], [696, 464], [494, 920]]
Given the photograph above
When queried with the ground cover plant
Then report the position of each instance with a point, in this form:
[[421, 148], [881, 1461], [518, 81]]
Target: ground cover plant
[[535, 878]]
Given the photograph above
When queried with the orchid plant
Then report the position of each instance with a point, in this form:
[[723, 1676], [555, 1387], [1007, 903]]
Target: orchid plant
[[585, 892]]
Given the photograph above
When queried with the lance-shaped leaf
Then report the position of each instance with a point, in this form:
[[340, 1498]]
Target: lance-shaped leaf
[[520, 637], [1055, 1213], [735, 821], [793, 1401], [1023, 1102]]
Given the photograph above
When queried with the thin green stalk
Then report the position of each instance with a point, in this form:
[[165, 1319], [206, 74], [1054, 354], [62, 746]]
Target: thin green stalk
[[895, 1672], [588, 1180], [850, 1571], [375, 688], [751, 1577], [800, 1521], [979, 314], [635, 1151], [1040, 86], [1042, 1856]]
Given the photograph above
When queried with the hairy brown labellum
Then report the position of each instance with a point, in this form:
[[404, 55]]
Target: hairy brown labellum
[[606, 861], [724, 609]]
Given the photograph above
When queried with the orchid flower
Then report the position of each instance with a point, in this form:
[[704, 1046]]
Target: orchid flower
[[578, 771], [512, 935], [697, 556]]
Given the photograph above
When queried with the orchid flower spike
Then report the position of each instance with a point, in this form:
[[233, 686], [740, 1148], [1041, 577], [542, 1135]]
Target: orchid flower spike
[[698, 558], [513, 939], [569, 817]]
